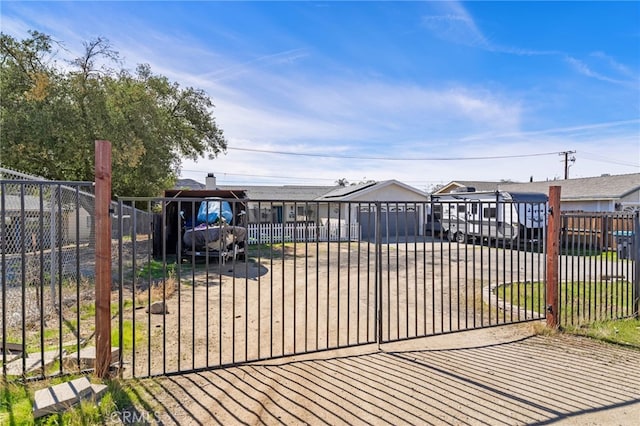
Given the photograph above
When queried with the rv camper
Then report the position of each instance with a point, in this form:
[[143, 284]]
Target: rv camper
[[491, 215]]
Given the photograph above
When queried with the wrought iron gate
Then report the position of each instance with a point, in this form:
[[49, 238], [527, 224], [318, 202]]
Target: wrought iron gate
[[231, 301]]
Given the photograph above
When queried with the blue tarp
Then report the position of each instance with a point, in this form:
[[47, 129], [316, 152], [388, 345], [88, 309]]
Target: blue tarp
[[210, 211]]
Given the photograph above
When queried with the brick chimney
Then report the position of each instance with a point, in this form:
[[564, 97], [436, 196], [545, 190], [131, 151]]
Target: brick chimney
[[210, 182]]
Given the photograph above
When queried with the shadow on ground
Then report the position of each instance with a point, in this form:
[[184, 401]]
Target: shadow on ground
[[526, 380]]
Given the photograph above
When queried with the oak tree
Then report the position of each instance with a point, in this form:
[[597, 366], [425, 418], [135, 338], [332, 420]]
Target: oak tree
[[51, 113]]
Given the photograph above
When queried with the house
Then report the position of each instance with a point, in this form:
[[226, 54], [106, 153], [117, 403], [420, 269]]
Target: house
[[353, 205], [281, 204], [401, 207], [269, 203], [607, 193]]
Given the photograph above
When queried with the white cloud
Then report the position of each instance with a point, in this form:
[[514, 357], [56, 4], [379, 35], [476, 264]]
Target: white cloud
[[270, 100], [584, 69], [456, 25], [615, 65]]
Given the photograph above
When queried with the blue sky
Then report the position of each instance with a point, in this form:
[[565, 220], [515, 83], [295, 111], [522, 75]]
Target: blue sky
[[310, 92]]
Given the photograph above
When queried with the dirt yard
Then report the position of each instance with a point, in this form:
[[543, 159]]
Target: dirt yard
[[316, 297], [258, 318]]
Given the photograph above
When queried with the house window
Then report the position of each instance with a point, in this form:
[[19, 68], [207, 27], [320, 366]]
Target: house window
[[300, 210], [265, 214]]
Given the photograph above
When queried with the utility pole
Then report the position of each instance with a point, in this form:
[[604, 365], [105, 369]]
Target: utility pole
[[566, 162]]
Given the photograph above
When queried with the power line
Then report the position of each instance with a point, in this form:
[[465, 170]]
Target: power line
[[353, 157], [220, 173], [597, 157], [300, 178]]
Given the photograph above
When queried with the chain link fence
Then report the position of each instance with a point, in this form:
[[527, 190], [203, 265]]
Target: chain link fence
[[43, 219], [47, 267], [45, 229]]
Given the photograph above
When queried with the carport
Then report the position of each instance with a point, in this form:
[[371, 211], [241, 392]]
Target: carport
[[177, 200]]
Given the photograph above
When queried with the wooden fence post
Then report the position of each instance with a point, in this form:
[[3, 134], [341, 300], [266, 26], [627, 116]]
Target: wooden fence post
[[553, 251], [103, 257]]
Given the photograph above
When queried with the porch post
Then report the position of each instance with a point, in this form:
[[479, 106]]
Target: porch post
[[103, 257], [553, 243]]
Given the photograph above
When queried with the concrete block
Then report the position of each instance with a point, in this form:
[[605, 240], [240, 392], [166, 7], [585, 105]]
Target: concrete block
[[33, 362], [87, 358], [9, 357], [98, 391], [11, 348], [61, 396]]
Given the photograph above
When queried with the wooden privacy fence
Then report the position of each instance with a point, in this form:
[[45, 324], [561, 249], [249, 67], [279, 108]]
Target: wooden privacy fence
[[595, 231], [260, 233]]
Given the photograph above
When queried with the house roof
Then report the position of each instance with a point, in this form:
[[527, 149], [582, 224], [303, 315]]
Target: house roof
[[478, 185], [592, 188], [358, 191], [281, 193], [306, 193], [610, 187], [344, 191]]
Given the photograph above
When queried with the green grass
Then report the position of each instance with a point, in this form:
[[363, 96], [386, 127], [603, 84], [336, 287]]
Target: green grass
[[272, 251], [625, 332], [611, 255], [586, 309], [578, 302], [265, 247], [155, 270], [127, 335], [88, 310], [16, 403]]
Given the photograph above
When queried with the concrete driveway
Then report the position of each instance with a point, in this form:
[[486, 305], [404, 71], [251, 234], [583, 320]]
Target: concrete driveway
[[506, 375]]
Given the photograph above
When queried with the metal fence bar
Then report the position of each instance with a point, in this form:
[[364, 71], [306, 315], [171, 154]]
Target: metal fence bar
[[379, 312], [41, 311], [635, 295], [282, 296], [3, 261], [120, 292], [23, 280]]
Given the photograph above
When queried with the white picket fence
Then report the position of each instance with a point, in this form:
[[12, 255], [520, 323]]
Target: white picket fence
[[301, 232]]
